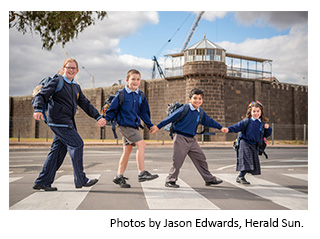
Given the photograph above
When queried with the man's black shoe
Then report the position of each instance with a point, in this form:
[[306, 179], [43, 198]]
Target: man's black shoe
[[45, 188], [121, 181], [146, 176], [215, 181], [90, 183], [172, 185]]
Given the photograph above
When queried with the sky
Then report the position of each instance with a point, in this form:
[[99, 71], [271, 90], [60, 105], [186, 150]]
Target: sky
[[129, 39]]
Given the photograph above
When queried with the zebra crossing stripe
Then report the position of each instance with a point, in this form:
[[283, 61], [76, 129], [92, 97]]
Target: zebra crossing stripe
[[284, 196], [12, 179], [160, 197], [66, 198], [298, 176]]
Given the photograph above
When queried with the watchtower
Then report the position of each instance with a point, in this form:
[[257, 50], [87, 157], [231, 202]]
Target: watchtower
[[203, 66]]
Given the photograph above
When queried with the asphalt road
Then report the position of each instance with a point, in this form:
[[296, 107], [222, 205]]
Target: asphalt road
[[283, 184]]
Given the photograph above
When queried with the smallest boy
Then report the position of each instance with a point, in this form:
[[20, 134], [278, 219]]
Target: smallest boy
[[184, 142]]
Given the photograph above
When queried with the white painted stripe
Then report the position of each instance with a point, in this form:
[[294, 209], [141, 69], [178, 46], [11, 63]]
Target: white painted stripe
[[134, 162], [26, 156], [159, 196], [25, 165], [298, 176], [104, 152], [225, 167], [285, 166], [288, 160], [66, 198], [12, 179], [284, 196]]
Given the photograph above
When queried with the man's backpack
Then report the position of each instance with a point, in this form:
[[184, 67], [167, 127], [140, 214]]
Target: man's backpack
[[107, 104], [43, 83], [261, 145], [171, 126]]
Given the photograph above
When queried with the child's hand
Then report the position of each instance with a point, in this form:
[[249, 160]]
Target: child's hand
[[225, 130], [266, 126], [38, 115], [101, 122], [154, 129]]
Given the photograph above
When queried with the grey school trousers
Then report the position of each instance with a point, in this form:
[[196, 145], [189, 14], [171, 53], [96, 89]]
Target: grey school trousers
[[183, 146]]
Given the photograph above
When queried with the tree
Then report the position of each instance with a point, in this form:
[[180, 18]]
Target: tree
[[53, 27]]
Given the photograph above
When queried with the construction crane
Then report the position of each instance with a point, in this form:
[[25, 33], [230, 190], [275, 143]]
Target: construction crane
[[184, 46], [191, 32], [156, 64]]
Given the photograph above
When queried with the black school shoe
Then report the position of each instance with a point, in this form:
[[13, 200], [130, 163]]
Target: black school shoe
[[90, 183], [146, 176], [45, 188], [215, 181], [121, 181], [242, 180], [171, 185]]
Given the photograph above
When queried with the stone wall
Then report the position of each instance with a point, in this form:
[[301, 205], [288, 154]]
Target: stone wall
[[225, 100]]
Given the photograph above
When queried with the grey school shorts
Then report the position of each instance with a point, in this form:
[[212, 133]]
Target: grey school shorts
[[130, 135]]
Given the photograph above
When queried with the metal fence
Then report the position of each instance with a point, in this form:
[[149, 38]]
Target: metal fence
[[27, 127]]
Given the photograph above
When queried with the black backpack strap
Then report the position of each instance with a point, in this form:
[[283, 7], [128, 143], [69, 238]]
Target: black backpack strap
[[200, 118], [114, 121], [121, 97], [183, 112], [260, 145], [60, 83], [142, 96], [245, 124]]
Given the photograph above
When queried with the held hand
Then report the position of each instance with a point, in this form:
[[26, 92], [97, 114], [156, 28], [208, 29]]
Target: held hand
[[154, 129], [266, 126], [38, 115], [101, 122], [225, 130]]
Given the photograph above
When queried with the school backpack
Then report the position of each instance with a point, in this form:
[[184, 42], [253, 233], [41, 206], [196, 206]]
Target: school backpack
[[171, 126], [261, 145], [45, 82], [107, 103]]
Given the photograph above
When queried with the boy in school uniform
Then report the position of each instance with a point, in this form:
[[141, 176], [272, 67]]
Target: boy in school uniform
[[128, 114], [184, 142]]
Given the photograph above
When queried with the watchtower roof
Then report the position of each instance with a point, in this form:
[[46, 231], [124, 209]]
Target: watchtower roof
[[205, 44]]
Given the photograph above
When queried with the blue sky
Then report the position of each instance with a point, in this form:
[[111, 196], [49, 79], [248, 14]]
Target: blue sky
[[151, 38], [129, 39]]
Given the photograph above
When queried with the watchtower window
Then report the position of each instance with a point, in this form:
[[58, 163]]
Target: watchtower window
[[210, 55]]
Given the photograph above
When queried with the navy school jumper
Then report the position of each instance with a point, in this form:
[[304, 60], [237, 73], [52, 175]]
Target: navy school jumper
[[132, 109], [61, 113]]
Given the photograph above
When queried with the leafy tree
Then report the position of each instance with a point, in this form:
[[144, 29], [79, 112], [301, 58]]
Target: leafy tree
[[53, 27]]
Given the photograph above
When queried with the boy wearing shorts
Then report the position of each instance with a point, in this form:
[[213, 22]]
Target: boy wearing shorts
[[128, 114]]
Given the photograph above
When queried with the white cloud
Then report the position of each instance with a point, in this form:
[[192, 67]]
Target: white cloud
[[95, 49], [288, 52], [279, 19], [211, 15]]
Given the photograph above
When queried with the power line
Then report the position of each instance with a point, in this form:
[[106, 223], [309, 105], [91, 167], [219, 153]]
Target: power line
[[165, 45]]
